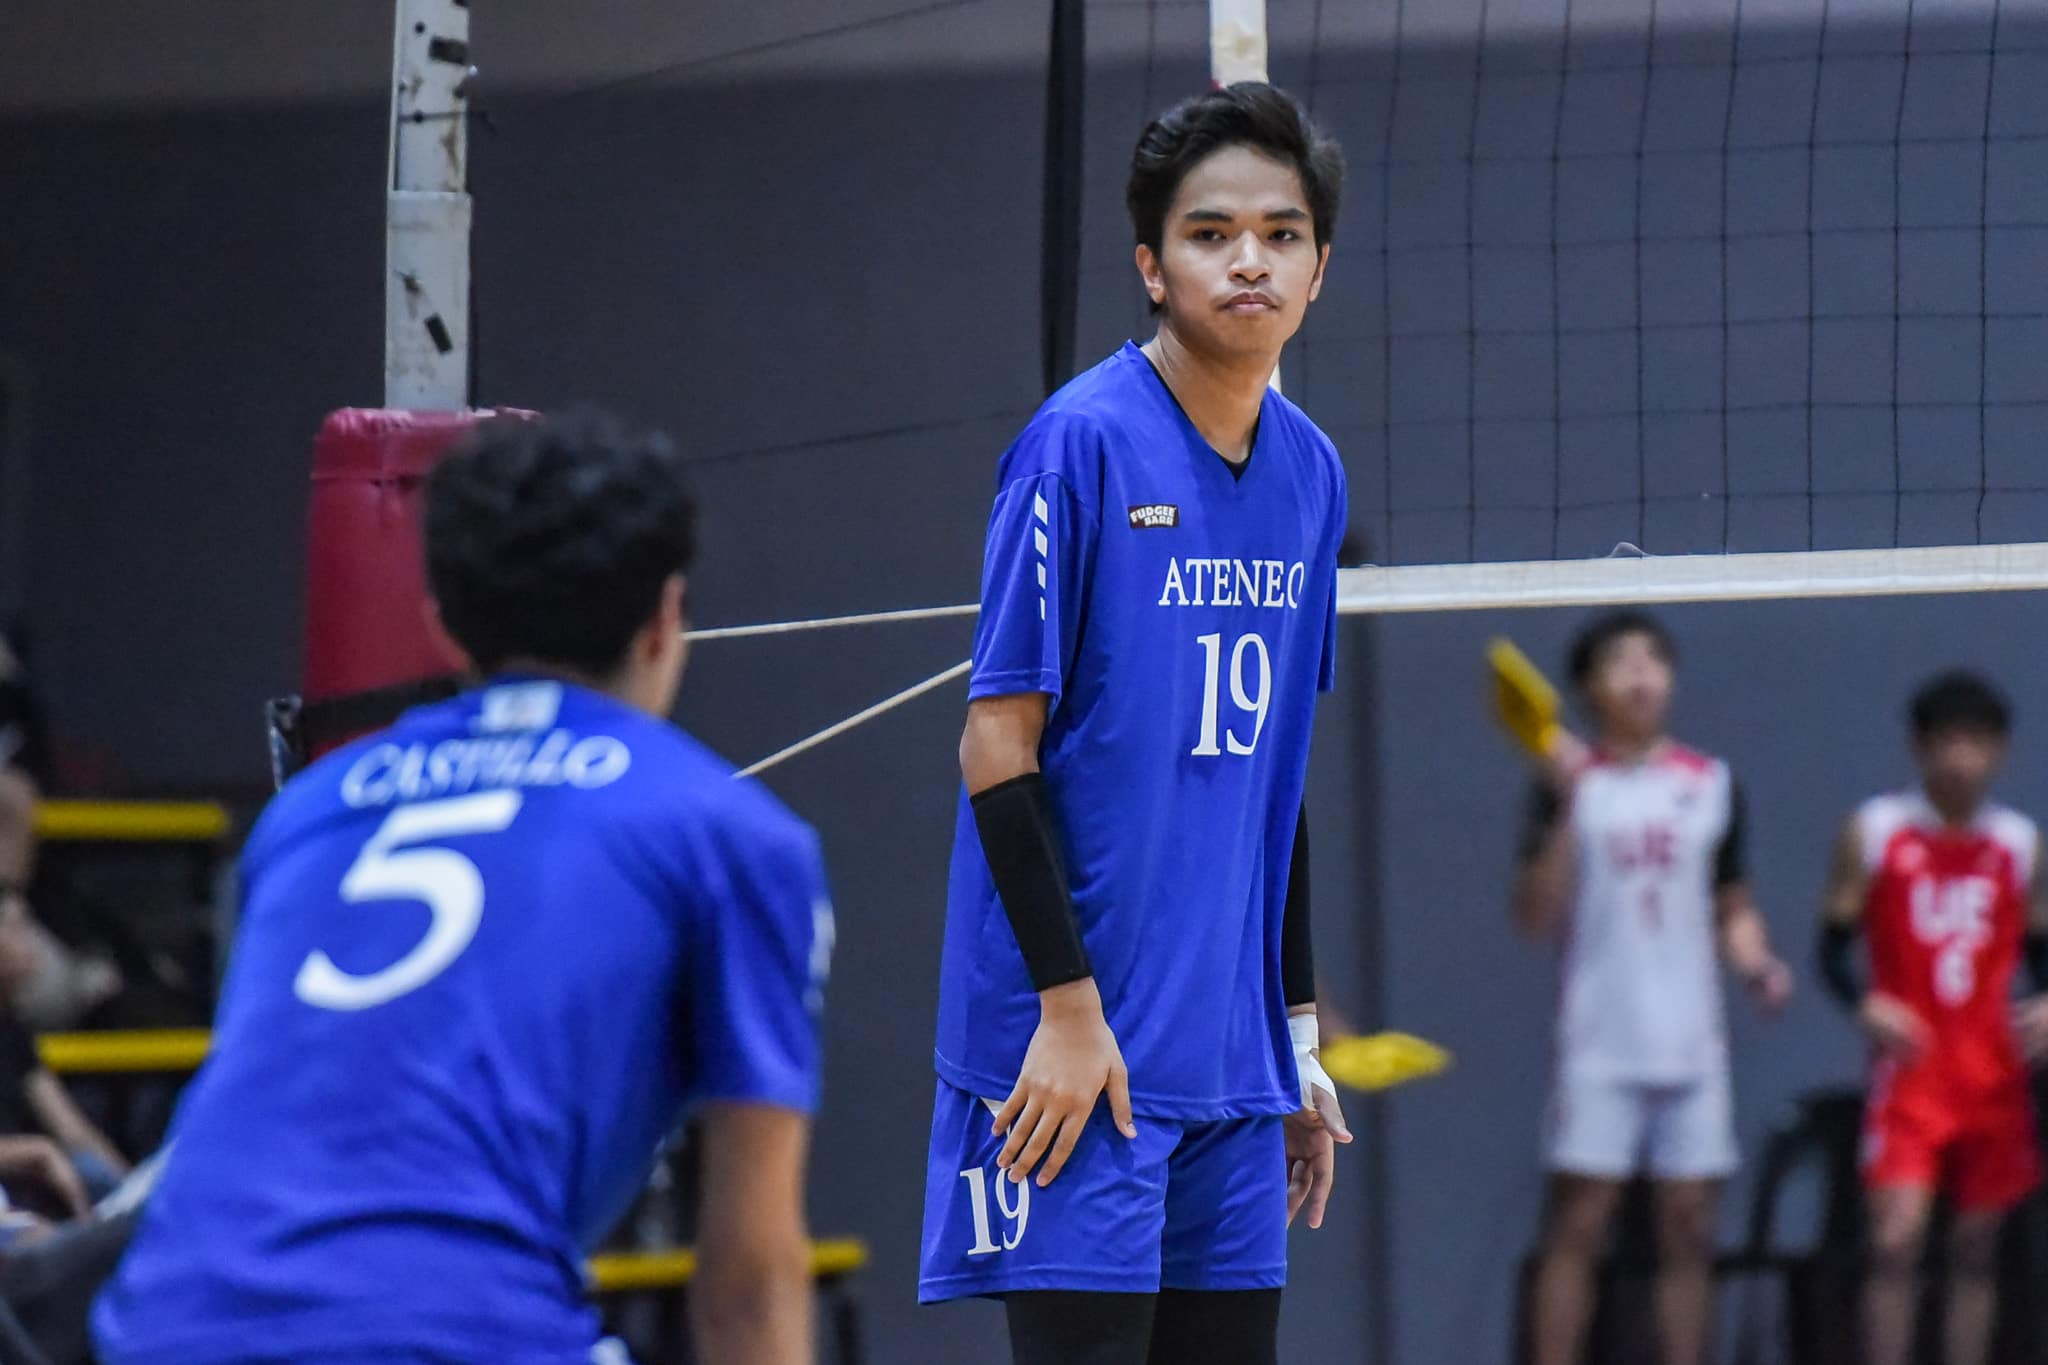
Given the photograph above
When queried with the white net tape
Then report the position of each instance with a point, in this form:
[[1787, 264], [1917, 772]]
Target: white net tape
[[1627, 576]]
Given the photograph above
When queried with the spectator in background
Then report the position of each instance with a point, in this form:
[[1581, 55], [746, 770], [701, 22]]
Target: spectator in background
[[53, 1159], [62, 985], [24, 768], [46, 1143], [24, 741], [56, 1250]]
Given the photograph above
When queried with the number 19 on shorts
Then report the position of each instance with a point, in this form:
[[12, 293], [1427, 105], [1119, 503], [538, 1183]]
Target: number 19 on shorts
[[1016, 1217], [1249, 659]]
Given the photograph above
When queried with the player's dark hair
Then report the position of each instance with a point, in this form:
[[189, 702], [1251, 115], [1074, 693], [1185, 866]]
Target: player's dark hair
[[1248, 114], [549, 539], [1590, 647], [1959, 700]]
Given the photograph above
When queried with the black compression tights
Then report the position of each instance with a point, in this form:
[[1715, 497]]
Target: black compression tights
[[1174, 1327]]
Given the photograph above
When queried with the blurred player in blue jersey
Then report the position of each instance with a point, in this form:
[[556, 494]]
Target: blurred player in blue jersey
[[488, 960], [1129, 1108]]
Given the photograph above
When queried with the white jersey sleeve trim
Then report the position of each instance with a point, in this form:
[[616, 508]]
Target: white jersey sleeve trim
[[1878, 822], [2020, 836]]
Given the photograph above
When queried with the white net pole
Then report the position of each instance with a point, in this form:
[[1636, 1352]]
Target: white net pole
[[1237, 41], [427, 209], [1237, 52]]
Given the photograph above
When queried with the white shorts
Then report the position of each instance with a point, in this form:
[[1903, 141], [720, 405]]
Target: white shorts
[[1615, 1129]]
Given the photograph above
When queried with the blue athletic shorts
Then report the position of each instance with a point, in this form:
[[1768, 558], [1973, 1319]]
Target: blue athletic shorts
[[1181, 1206]]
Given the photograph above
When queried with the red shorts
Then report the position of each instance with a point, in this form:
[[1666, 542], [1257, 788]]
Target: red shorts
[[1982, 1154]]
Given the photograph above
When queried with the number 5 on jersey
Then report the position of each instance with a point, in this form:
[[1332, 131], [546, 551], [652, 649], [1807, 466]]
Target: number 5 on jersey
[[446, 882], [1254, 702]]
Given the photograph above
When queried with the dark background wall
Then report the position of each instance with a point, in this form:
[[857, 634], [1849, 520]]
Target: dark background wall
[[818, 266]]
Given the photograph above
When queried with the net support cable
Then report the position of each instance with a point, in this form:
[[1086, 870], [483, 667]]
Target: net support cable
[[858, 718]]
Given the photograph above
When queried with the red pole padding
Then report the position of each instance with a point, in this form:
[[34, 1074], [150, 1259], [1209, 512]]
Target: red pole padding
[[366, 628]]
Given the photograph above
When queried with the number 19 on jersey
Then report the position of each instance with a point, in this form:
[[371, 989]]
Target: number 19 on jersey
[[1248, 658]]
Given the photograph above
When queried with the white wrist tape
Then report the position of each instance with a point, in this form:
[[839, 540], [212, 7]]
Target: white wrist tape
[[1307, 1037]]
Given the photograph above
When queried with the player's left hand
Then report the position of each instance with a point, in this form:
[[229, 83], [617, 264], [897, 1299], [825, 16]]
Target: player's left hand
[[1311, 1164], [1770, 986], [1314, 1130], [2030, 1018]]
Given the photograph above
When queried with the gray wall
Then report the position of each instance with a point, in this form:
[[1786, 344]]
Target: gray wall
[[822, 275]]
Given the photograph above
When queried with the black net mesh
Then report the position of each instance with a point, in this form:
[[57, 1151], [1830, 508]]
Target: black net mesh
[[1696, 275]]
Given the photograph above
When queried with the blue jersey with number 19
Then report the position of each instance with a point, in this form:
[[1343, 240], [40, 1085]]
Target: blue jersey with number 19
[[1181, 617], [487, 961]]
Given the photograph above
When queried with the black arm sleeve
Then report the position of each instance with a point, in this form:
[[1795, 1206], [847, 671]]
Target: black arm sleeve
[[1297, 944], [1021, 844], [2037, 958], [1838, 964], [1541, 811], [1731, 859]]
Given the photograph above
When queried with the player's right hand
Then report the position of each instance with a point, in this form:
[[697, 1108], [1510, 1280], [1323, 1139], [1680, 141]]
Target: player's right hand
[[1564, 759], [1891, 1024], [2030, 1019], [62, 1177], [1072, 1060], [38, 1158]]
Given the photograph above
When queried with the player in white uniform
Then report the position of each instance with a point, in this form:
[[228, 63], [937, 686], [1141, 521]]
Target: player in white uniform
[[1634, 852]]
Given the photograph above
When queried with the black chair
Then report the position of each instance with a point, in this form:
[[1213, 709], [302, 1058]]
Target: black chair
[[46, 1292], [1799, 1308], [1802, 1308]]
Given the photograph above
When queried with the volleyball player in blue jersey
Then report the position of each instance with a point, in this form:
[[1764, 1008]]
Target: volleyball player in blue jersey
[[487, 961], [1129, 1108]]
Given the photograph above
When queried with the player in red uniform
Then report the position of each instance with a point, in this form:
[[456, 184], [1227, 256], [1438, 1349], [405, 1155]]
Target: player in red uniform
[[1946, 887]]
